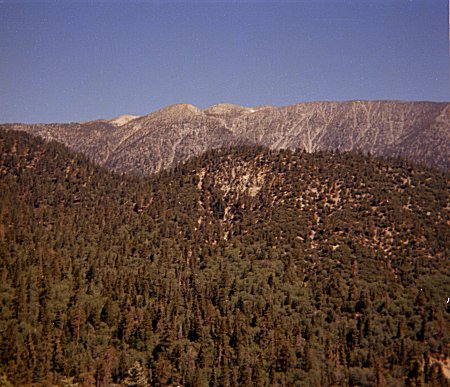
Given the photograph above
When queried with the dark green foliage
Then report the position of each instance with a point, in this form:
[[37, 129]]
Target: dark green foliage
[[241, 267]]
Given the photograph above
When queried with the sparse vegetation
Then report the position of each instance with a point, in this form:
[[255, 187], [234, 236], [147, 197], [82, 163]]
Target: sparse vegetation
[[417, 131]]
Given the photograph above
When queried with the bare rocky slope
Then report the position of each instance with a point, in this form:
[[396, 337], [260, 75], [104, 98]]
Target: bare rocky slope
[[416, 131]]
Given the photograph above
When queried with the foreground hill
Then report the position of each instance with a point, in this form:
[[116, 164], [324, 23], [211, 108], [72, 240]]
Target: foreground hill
[[417, 131], [240, 267]]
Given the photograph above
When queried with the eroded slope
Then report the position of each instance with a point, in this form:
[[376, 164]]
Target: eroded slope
[[416, 131]]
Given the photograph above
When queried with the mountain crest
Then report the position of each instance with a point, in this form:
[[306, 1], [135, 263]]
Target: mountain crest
[[229, 110], [416, 131], [123, 119], [179, 109]]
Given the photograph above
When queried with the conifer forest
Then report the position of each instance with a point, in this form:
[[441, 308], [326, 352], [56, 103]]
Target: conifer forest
[[240, 267]]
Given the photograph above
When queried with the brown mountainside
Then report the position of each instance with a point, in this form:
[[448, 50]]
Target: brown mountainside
[[417, 131]]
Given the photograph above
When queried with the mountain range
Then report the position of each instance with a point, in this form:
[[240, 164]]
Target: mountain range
[[305, 251], [142, 145]]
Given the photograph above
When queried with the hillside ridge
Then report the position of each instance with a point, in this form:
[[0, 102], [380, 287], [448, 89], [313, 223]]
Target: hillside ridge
[[245, 266], [416, 131]]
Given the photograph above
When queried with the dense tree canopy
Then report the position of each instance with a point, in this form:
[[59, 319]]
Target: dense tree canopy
[[240, 267]]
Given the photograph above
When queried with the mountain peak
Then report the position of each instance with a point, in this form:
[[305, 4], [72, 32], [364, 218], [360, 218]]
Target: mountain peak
[[181, 108], [417, 131], [227, 109], [123, 119]]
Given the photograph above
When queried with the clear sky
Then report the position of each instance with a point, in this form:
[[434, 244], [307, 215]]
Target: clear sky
[[74, 60]]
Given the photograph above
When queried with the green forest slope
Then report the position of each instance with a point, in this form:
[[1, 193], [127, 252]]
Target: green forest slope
[[241, 267]]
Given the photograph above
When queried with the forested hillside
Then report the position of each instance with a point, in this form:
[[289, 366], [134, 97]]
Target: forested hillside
[[241, 267]]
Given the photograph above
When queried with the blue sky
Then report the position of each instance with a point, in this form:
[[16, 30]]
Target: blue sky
[[80, 60]]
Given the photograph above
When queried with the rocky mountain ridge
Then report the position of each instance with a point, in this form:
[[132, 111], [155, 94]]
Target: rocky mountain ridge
[[141, 145]]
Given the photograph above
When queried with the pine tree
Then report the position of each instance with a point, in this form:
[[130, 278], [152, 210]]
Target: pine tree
[[136, 376]]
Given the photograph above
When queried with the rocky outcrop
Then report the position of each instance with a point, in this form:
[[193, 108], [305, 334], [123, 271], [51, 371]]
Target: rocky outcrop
[[417, 131]]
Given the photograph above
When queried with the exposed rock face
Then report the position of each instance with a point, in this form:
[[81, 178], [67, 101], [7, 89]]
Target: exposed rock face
[[161, 139], [123, 119], [418, 131]]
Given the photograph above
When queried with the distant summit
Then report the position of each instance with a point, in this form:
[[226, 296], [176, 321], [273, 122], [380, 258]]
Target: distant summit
[[123, 119], [141, 145], [179, 109]]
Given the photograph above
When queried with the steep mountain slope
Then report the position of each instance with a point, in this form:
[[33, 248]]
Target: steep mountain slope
[[240, 267], [417, 131], [94, 139], [159, 140], [381, 127]]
